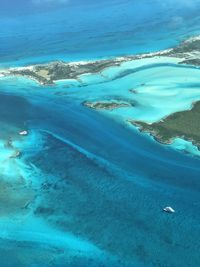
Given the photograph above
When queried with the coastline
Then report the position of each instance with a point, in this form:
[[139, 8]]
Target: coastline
[[47, 74], [167, 134], [51, 73]]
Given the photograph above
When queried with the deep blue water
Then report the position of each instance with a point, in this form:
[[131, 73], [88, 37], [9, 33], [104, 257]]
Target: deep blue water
[[88, 190], [91, 29]]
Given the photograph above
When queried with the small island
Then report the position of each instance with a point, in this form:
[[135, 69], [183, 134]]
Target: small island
[[183, 124], [105, 105]]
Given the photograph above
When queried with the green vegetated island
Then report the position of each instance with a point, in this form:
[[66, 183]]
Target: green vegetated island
[[105, 105], [185, 124]]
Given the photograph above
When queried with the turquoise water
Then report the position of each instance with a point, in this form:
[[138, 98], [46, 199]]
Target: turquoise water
[[88, 189]]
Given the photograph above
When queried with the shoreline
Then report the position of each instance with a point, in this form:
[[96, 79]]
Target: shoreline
[[50, 73], [173, 126]]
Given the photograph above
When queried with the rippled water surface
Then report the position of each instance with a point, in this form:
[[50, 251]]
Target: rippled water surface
[[87, 188]]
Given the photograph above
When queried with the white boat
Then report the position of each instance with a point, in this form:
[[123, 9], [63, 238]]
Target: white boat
[[169, 209], [23, 133]]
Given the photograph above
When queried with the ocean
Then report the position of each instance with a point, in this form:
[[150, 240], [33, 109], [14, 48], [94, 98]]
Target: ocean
[[88, 188]]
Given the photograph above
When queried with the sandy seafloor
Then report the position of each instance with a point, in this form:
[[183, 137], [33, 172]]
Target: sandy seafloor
[[88, 189]]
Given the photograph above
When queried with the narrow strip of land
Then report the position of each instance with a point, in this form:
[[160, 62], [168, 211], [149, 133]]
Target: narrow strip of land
[[188, 52]]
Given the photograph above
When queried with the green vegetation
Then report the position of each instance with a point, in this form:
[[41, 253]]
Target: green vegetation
[[188, 46], [105, 105], [32, 74], [49, 73], [184, 124]]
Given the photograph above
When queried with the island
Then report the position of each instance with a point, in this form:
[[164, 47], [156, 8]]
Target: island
[[49, 73], [100, 105], [188, 52], [183, 124]]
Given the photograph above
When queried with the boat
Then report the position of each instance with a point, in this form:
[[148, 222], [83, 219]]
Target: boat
[[23, 133], [169, 209]]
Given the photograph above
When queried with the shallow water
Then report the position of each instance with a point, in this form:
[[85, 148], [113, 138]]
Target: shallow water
[[88, 189]]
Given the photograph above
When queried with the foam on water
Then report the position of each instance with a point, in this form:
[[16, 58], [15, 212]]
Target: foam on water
[[186, 146]]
